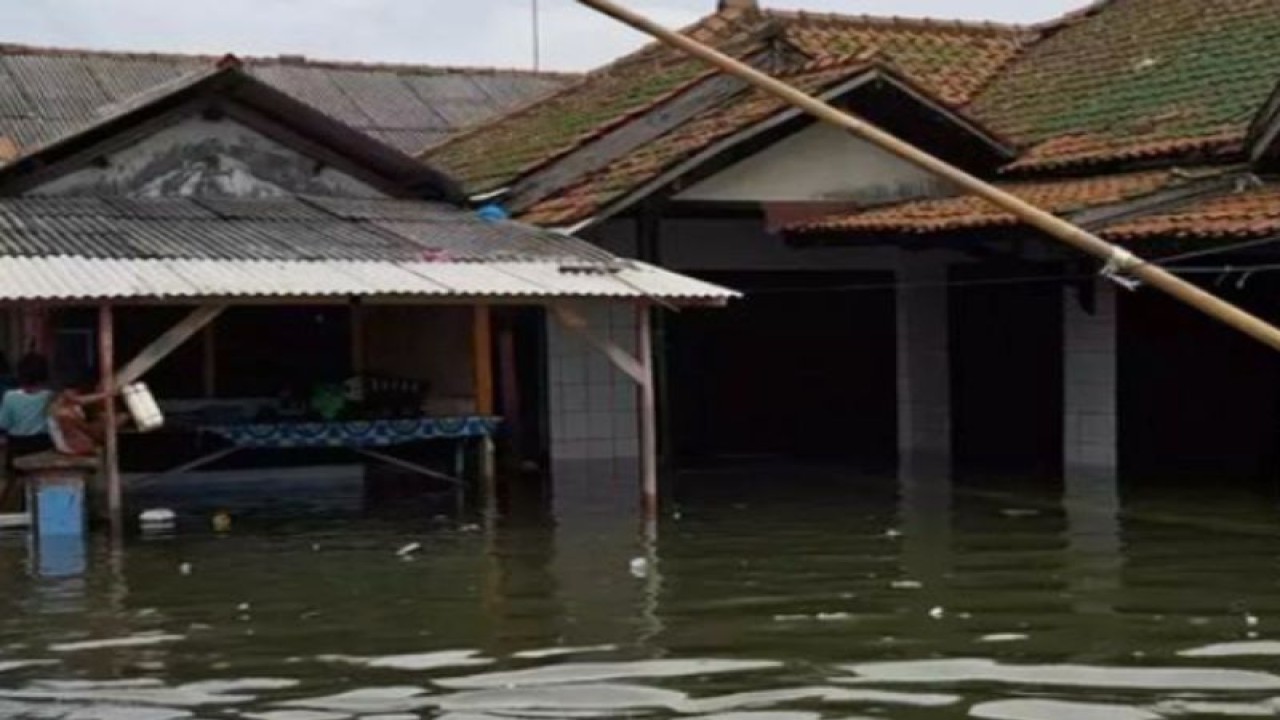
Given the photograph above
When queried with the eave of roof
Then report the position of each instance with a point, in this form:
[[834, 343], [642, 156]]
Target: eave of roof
[[684, 150], [68, 249], [1065, 197], [1252, 212]]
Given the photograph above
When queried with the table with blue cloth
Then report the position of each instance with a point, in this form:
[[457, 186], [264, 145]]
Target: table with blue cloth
[[367, 438]]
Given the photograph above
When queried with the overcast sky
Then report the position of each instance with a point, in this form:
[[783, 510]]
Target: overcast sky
[[452, 32]]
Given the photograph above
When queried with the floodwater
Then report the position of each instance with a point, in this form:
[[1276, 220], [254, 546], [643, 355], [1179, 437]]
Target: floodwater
[[782, 595]]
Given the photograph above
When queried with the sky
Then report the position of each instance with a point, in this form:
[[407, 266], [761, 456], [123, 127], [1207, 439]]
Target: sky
[[438, 32]]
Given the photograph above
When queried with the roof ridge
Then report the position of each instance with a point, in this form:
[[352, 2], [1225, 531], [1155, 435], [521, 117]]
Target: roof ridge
[[1071, 17], [729, 15], [917, 23], [7, 48]]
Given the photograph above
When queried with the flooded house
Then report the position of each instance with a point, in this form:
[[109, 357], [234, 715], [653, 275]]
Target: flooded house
[[283, 280], [888, 320]]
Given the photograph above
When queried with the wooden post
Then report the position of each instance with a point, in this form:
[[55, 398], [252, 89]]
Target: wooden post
[[358, 349], [482, 351], [111, 449], [648, 411], [510, 384], [1119, 261], [209, 346]]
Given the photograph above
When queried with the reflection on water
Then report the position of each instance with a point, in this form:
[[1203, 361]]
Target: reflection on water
[[774, 595]]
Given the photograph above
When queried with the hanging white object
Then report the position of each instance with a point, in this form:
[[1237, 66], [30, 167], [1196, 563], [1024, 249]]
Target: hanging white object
[[158, 516], [142, 406]]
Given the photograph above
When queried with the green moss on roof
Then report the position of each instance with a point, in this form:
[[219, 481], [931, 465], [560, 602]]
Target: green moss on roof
[[953, 60], [1138, 77]]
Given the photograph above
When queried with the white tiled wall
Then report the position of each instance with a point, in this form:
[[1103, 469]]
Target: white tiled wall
[[592, 404]]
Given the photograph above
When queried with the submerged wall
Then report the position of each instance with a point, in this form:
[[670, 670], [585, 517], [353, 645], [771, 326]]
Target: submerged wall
[[592, 405]]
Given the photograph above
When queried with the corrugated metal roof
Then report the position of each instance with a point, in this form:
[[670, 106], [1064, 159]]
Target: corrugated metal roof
[[46, 92], [51, 279], [297, 228], [68, 248]]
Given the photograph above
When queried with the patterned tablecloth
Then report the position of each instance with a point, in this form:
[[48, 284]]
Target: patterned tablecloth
[[355, 433]]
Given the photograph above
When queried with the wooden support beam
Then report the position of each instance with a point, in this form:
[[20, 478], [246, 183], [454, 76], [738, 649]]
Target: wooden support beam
[[621, 359], [482, 358], [111, 437], [359, 352], [209, 366], [161, 348], [192, 466], [406, 465]]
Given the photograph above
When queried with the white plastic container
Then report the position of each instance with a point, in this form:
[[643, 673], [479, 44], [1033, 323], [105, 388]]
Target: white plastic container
[[142, 406], [158, 516]]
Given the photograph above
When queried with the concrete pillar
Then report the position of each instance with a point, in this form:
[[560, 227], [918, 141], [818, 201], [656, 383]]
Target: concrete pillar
[[1091, 496], [924, 372], [1090, 437], [593, 405]]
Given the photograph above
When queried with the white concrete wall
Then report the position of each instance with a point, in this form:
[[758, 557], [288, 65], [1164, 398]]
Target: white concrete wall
[[592, 405], [1090, 427], [198, 157], [924, 359], [818, 163]]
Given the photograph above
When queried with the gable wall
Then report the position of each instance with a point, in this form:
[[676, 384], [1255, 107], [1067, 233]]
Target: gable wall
[[818, 163], [200, 157]]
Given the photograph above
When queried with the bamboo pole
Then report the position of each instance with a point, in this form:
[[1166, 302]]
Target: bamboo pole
[[1118, 260]]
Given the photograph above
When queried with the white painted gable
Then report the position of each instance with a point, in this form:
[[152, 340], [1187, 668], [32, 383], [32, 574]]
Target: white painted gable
[[819, 163], [201, 157]]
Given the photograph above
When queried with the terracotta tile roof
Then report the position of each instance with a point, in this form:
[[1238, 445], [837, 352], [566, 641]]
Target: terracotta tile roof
[[596, 190], [953, 60], [1254, 213], [950, 59], [1131, 79], [968, 212]]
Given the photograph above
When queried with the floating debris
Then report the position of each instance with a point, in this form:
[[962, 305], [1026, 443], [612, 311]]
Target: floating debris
[[415, 662], [937, 613], [409, 549], [562, 651], [1003, 638], [906, 585], [639, 567], [139, 640]]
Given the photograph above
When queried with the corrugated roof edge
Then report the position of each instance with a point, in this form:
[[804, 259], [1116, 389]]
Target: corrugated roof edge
[[284, 59]]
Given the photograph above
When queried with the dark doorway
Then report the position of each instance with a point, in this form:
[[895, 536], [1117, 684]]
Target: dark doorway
[[1007, 372], [802, 368], [1199, 402]]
